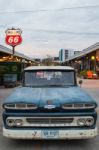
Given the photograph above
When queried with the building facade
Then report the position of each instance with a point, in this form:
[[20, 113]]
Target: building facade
[[65, 54], [87, 59]]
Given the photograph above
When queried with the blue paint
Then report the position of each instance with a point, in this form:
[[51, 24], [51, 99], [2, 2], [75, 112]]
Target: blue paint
[[58, 95]]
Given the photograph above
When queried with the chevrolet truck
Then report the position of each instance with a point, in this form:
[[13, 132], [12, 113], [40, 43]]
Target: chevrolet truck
[[49, 105]]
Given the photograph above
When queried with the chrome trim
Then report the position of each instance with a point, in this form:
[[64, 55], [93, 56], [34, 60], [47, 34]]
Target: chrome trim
[[10, 122], [18, 106], [89, 121], [71, 121], [78, 106]]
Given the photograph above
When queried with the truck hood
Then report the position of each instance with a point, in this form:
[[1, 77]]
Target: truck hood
[[58, 96]]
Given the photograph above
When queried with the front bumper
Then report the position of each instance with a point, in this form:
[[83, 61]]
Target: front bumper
[[63, 134]]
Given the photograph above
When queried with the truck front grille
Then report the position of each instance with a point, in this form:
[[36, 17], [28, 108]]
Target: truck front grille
[[49, 121]]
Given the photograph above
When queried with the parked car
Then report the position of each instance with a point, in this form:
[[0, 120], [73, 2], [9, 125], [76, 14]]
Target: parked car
[[10, 80], [49, 105]]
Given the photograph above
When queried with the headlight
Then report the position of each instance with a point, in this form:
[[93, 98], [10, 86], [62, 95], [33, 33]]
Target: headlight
[[89, 121], [18, 122], [10, 122], [81, 122], [85, 121], [14, 122], [20, 106]]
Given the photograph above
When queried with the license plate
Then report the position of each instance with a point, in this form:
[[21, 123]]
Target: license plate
[[48, 134]]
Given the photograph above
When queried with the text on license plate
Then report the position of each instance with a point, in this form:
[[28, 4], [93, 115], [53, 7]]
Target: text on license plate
[[50, 134]]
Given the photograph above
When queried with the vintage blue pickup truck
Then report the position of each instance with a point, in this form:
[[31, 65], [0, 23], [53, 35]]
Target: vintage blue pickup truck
[[49, 105]]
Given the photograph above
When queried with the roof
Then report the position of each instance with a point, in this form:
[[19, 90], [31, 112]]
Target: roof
[[9, 51], [49, 68], [84, 52]]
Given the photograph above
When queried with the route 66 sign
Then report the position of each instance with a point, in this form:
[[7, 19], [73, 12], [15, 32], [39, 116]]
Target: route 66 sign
[[13, 36]]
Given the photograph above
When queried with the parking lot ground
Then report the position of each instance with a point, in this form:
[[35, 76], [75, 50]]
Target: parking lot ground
[[89, 83], [92, 87]]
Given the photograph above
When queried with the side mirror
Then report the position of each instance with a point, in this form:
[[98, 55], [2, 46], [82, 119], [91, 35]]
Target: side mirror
[[80, 82]]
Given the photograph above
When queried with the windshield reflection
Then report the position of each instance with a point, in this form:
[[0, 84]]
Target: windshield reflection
[[49, 78]]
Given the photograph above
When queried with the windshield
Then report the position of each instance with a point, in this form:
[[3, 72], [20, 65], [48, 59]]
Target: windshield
[[49, 78]]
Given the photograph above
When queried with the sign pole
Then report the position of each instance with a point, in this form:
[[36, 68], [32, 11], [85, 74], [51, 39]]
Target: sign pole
[[13, 51]]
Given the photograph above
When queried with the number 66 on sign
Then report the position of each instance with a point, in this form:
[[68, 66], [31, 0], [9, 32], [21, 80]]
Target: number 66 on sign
[[13, 37], [13, 40]]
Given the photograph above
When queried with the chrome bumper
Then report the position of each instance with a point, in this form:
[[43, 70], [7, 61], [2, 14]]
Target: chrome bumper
[[37, 134]]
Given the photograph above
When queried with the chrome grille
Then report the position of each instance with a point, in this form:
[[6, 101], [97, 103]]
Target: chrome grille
[[21, 106], [49, 120], [78, 106]]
